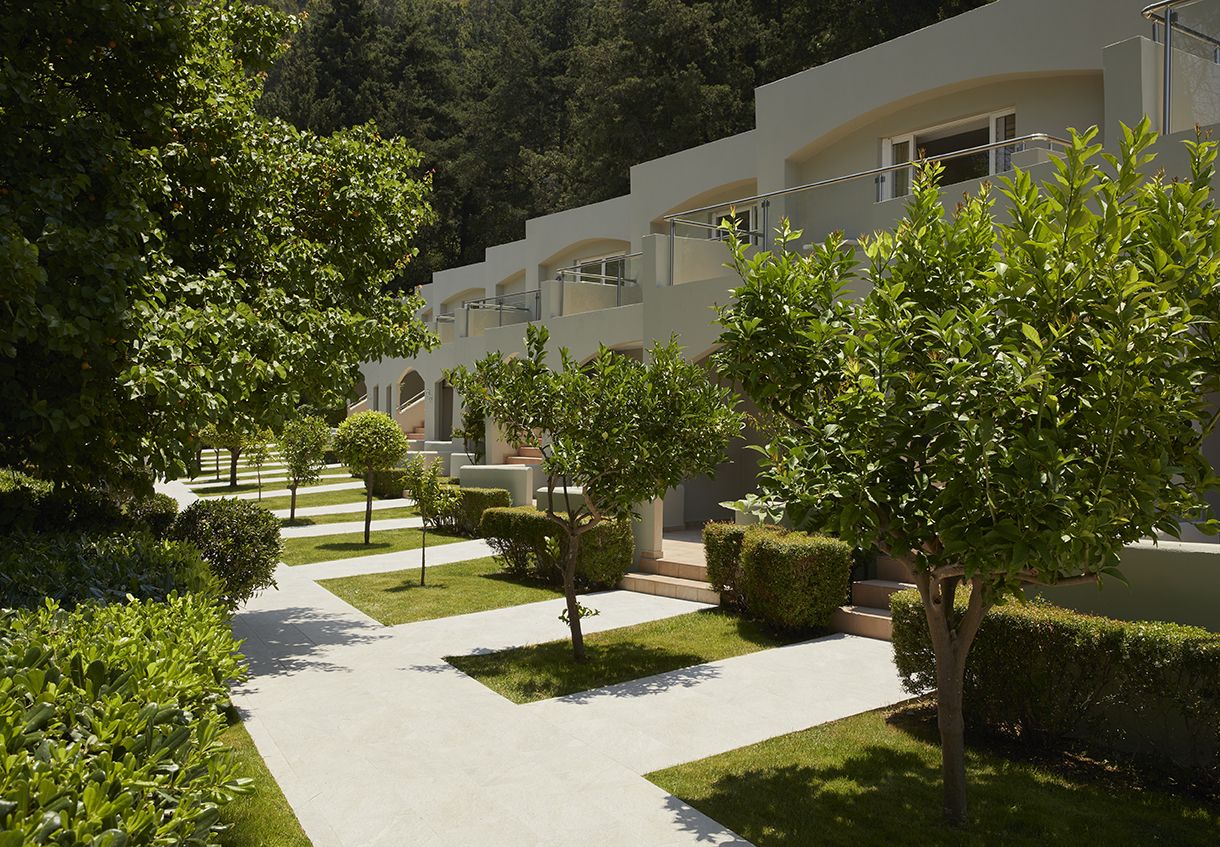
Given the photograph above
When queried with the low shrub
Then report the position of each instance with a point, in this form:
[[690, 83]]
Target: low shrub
[[155, 513], [1042, 672], [32, 504], [525, 540], [794, 580], [239, 540], [72, 567], [467, 514], [722, 547], [388, 484], [110, 722]]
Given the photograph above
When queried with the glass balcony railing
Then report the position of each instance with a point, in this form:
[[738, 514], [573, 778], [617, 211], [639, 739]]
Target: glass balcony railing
[[1189, 32]]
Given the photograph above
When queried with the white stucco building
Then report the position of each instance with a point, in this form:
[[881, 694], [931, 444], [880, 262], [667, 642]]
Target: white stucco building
[[1004, 81]]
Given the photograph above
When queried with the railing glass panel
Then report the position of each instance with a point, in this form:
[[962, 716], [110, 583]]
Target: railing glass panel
[[1190, 72]]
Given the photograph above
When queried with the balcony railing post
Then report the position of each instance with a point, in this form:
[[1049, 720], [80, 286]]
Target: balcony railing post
[[1167, 94], [673, 246], [766, 220]]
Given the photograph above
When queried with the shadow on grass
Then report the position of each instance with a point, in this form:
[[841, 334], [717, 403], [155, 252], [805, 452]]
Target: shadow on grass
[[356, 546], [889, 792]]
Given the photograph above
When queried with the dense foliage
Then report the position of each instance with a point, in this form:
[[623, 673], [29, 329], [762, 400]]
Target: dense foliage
[[239, 540], [1012, 401], [530, 106], [722, 549], [528, 544], [110, 719], [793, 580], [155, 513], [70, 567], [469, 505], [621, 431], [171, 256], [1040, 672]]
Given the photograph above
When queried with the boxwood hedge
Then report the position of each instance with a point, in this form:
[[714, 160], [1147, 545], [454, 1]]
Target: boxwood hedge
[[793, 580], [526, 542]]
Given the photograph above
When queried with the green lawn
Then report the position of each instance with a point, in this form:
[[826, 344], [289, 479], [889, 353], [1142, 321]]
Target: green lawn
[[453, 589], [264, 818], [875, 779], [324, 548], [541, 671], [321, 498], [341, 517], [275, 485]]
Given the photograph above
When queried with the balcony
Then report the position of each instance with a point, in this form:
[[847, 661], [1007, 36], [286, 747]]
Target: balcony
[[502, 310], [603, 283], [1189, 32]]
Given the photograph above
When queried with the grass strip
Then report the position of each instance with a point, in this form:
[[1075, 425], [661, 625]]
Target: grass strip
[[346, 517], [542, 671], [874, 778], [263, 818], [453, 589], [325, 548], [320, 498]]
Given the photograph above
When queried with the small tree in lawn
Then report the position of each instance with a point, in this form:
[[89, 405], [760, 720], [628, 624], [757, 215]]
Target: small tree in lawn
[[303, 444], [434, 498], [1010, 404], [232, 437], [258, 453], [369, 442], [621, 430]]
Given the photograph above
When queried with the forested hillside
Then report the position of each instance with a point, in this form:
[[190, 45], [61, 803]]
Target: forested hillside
[[523, 107]]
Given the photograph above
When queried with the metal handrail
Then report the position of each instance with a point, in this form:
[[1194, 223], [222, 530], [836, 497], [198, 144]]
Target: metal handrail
[[498, 301], [764, 199], [406, 404], [1168, 20]]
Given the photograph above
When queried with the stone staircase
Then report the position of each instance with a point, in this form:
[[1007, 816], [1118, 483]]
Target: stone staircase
[[416, 438], [680, 572], [868, 614], [525, 456]]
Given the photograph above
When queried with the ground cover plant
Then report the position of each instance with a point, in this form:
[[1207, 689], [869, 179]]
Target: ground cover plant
[[875, 778], [457, 588], [1011, 402], [676, 421], [539, 672], [110, 718], [324, 548]]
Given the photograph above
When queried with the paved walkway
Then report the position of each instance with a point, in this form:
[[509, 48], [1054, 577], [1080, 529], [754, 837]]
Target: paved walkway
[[284, 492], [209, 486], [377, 741], [344, 508], [348, 526]]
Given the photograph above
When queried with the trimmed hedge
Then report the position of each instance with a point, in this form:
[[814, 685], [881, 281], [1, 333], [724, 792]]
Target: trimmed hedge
[[793, 580], [70, 568], [520, 536], [473, 502], [110, 723], [1040, 671], [722, 548], [389, 484], [239, 540], [155, 514]]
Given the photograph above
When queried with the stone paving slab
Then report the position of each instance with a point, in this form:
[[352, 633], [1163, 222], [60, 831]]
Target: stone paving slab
[[348, 526]]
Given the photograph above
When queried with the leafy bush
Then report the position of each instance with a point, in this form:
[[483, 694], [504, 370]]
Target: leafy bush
[[110, 719], [794, 580], [467, 515], [722, 547], [155, 513], [526, 541], [32, 504], [71, 567], [1039, 671], [239, 540], [388, 484]]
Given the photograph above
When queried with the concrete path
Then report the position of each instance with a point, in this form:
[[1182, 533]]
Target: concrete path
[[377, 741], [284, 492], [211, 486], [348, 526], [344, 508]]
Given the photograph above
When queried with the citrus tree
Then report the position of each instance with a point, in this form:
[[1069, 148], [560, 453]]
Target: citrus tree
[[1012, 401], [434, 497], [369, 442], [303, 445], [621, 430]]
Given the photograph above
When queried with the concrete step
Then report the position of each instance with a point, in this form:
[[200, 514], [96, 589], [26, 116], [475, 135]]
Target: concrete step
[[892, 569], [523, 460], [669, 586], [862, 620], [666, 566], [876, 592], [530, 451], [415, 436]]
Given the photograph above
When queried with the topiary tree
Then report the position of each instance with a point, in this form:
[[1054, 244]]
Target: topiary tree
[[621, 430], [1011, 402], [434, 496], [303, 444], [239, 540], [368, 442]]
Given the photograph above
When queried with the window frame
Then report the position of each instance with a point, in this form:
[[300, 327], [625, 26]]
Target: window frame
[[885, 182]]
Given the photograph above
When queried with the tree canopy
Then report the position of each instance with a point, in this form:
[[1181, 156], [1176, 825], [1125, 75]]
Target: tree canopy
[[174, 257], [1012, 401]]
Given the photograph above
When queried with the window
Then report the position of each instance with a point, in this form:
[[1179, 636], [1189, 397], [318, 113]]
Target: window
[[942, 140], [745, 218], [605, 269]]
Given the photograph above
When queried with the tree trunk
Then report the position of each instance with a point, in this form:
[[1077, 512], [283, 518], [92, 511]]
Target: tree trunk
[[423, 555], [951, 722], [292, 504], [569, 591], [368, 504], [233, 454]]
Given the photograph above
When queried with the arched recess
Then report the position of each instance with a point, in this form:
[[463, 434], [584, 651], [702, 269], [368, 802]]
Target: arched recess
[[411, 409], [725, 193], [581, 251]]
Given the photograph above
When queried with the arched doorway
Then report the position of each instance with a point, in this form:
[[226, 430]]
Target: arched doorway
[[410, 412]]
